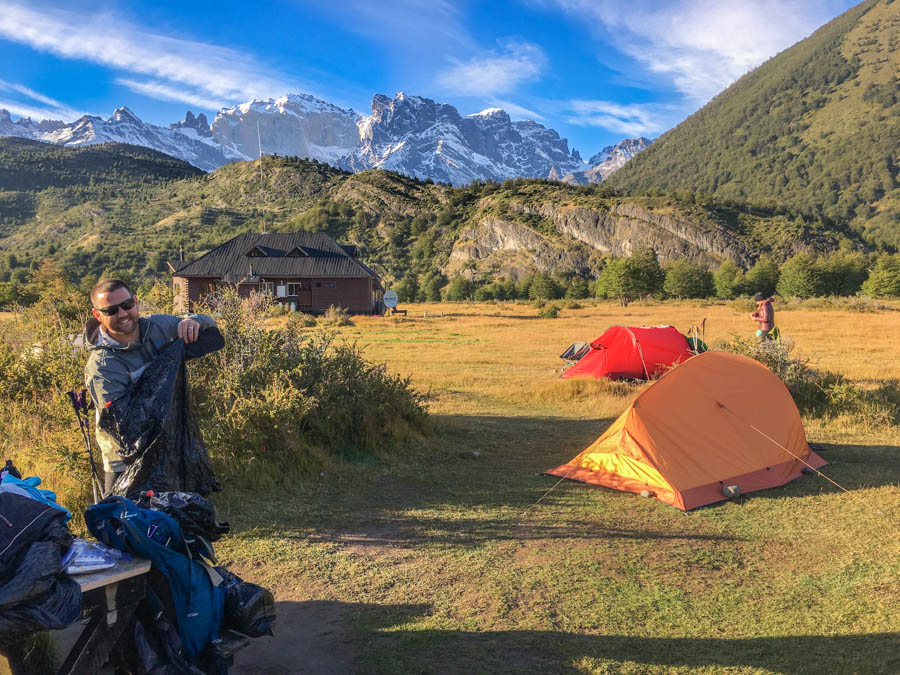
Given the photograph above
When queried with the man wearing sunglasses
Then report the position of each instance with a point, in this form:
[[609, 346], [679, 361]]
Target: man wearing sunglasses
[[123, 344]]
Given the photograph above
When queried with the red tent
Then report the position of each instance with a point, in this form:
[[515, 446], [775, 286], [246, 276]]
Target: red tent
[[629, 351]]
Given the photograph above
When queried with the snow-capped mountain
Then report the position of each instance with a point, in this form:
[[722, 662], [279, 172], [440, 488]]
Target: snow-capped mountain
[[296, 125], [408, 134], [183, 140], [608, 161], [421, 138]]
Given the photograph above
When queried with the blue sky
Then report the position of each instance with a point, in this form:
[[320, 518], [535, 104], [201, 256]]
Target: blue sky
[[597, 71]]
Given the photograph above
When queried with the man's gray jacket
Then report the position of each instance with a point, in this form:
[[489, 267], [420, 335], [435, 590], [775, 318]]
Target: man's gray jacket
[[113, 367]]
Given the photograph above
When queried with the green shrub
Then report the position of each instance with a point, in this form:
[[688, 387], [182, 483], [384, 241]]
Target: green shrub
[[291, 397], [799, 277], [762, 277], [336, 317], [884, 280], [548, 312], [684, 280], [460, 289], [820, 393], [728, 280]]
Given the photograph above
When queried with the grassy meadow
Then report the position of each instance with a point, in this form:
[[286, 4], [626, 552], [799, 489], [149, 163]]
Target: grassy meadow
[[453, 558]]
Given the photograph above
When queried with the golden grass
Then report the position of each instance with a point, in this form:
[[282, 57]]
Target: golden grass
[[439, 561], [478, 356]]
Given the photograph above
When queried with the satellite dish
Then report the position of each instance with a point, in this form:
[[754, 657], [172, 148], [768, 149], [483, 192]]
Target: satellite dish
[[390, 299]]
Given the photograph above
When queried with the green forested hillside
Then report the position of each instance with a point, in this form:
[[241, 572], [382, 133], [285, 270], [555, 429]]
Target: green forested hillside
[[815, 130], [131, 214], [29, 166]]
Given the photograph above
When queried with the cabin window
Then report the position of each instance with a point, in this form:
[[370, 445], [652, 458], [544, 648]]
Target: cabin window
[[294, 289], [267, 288], [318, 284]]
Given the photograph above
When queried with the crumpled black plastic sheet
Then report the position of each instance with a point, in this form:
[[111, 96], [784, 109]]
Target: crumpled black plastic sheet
[[195, 514], [35, 592], [157, 432]]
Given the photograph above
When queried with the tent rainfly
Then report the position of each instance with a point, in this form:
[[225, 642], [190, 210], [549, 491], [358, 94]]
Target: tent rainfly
[[634, 352], [717, 420]]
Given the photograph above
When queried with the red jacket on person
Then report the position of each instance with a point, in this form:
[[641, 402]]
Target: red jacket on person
[[764, 315]]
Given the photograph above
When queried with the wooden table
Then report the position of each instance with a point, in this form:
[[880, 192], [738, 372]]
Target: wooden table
[[109, 599]]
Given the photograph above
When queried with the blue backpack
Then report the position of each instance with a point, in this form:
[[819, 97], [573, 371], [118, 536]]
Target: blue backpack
[[184, 585]]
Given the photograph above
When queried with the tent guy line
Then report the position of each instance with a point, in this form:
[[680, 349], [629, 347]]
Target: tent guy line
[[795, 456]]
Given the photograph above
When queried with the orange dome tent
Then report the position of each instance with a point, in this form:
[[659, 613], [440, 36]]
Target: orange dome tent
[[718, 419]]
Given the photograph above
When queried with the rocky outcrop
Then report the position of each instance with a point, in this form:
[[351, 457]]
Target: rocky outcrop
[[500, 247], [581, 236]]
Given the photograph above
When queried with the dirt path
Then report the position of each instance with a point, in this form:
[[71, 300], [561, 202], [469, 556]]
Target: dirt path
[[309, 638]]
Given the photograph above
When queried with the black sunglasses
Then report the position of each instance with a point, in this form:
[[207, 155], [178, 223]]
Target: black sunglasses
[[112, 310]]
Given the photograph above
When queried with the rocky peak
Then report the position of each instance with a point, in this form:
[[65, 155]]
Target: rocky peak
[[627, 148], [404, 115], [199, 124], [124, 116]]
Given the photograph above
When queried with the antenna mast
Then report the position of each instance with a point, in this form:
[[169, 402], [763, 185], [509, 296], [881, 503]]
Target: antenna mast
[[259, 140]]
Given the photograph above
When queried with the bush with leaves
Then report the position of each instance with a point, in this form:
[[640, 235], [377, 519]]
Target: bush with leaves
[[543, 287], [578, 289], [799, 277], [762, 277], [884, 280], [288, 394], [728, 280], [336, 317], [684, 280], [460, 289], [842, 272], [548, 312], [820, 393]]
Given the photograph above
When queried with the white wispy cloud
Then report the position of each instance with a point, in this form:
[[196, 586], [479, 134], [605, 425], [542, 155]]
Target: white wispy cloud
[[194, 70], [494, 73], [36, 105], [36, 113], [639, 119], [165, 92], [702, 46]]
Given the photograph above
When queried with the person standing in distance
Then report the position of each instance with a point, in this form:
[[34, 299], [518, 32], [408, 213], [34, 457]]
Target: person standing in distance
[[122, 344], [764, 316]]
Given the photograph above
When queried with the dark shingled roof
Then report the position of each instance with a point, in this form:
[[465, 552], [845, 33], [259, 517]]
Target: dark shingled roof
[[325, 258]]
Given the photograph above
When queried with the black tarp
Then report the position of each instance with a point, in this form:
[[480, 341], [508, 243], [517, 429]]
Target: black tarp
[[157, 432], [35, 592]]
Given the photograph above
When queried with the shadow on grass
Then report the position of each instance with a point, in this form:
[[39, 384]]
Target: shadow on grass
[[385, 639], [449, 495]]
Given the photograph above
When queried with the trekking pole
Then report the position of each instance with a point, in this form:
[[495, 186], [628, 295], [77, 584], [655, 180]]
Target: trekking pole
[[79, 403]]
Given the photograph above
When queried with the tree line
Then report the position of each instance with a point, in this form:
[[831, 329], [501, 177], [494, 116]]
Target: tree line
[[843, 272]]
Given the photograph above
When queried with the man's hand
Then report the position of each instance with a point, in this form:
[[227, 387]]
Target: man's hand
[[188, 330]]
